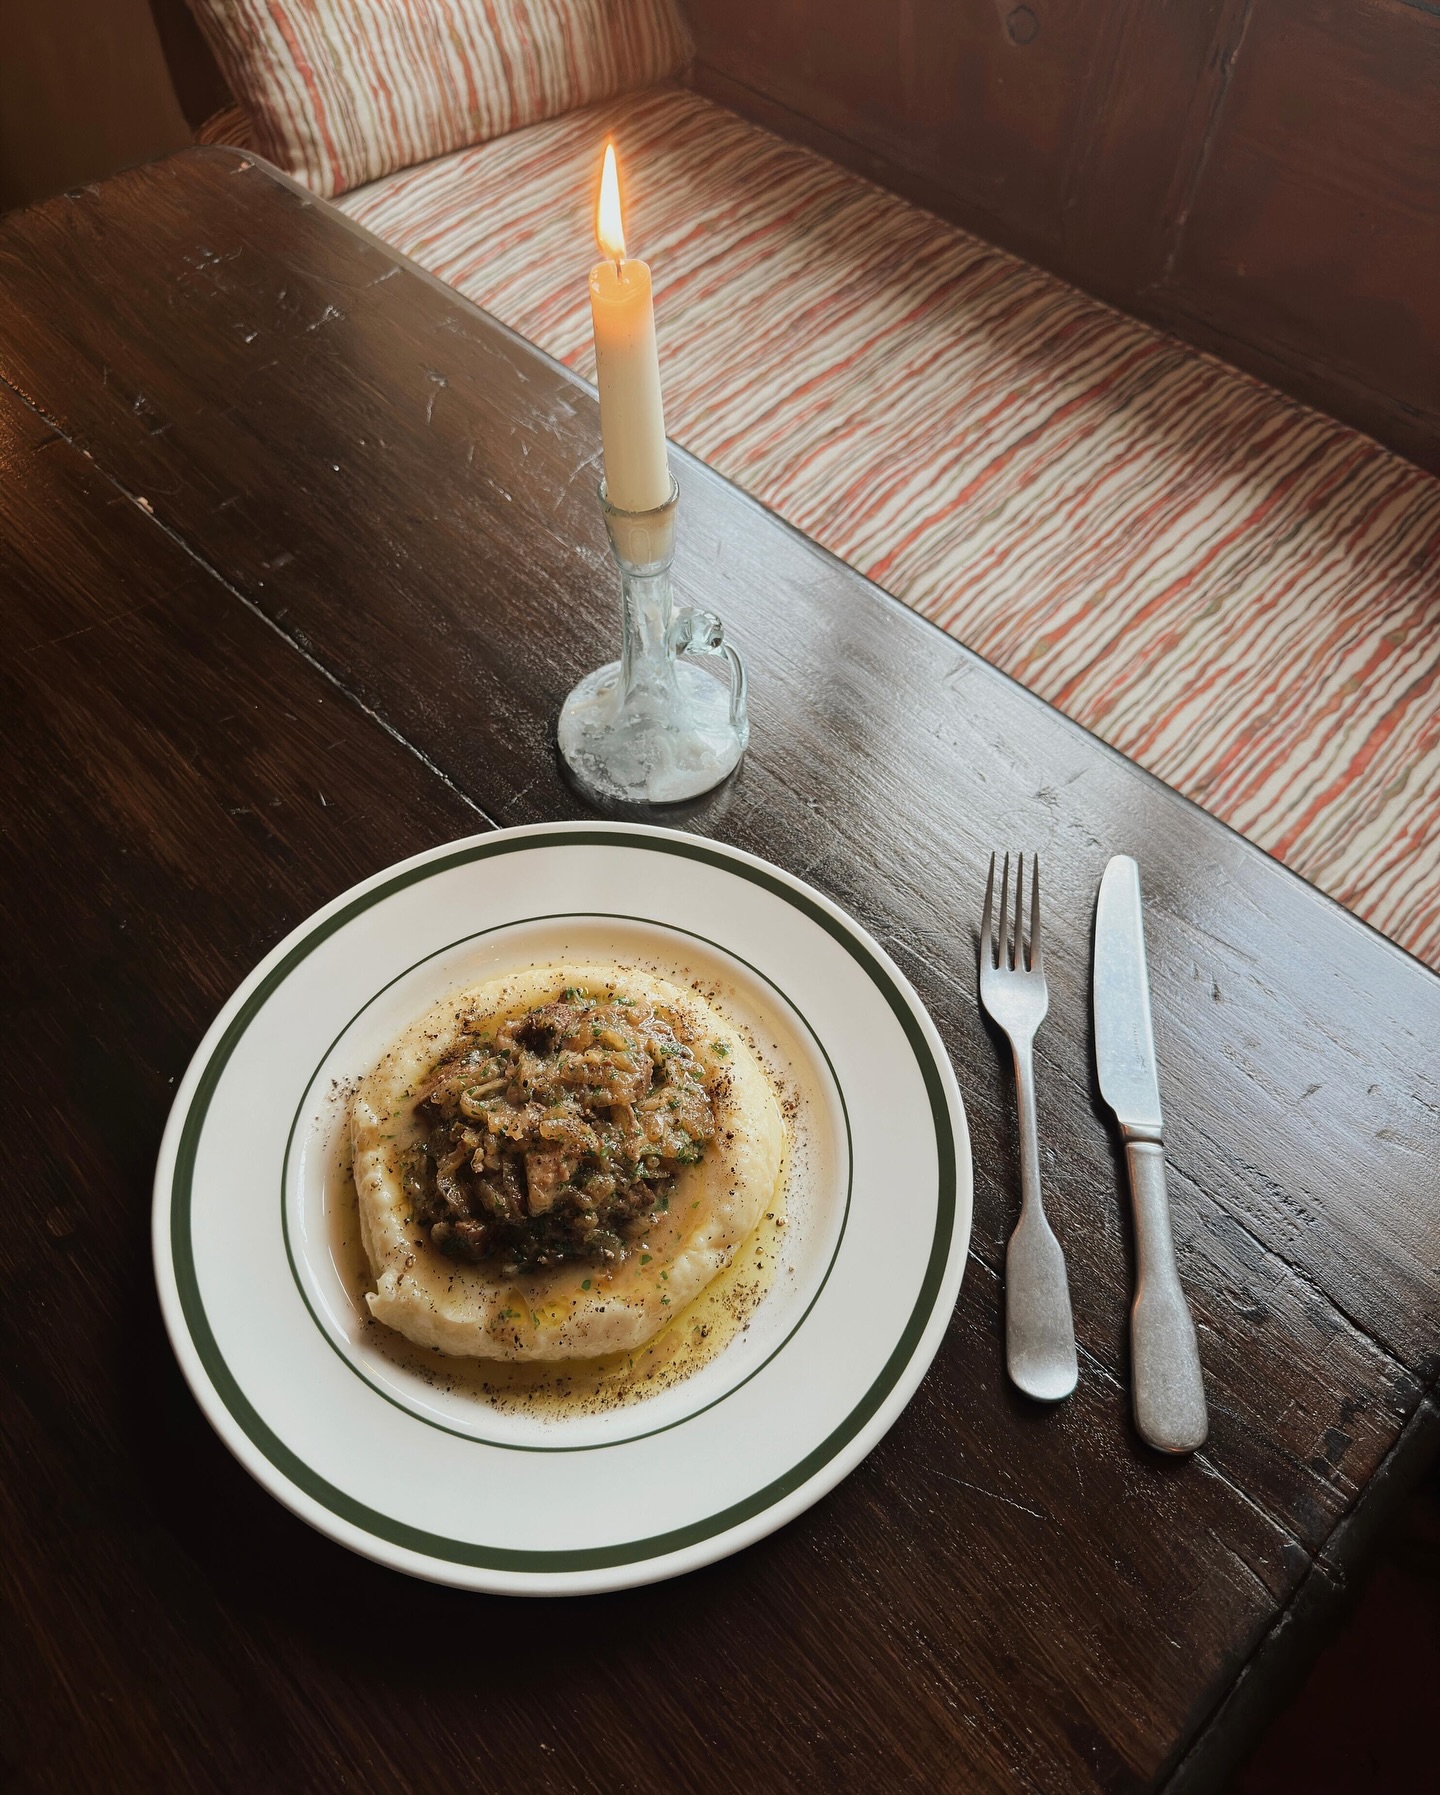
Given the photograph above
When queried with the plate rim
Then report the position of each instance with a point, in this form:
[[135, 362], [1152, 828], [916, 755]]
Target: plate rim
[[332, 1511]]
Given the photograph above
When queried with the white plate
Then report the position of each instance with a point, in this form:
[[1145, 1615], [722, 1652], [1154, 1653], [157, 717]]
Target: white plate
[[440, 1483]]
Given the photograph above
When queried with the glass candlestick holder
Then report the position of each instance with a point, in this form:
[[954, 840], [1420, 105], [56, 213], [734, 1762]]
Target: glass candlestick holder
[[653, 727]]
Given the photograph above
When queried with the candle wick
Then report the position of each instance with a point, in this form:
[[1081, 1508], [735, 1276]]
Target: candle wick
[[619, 270]]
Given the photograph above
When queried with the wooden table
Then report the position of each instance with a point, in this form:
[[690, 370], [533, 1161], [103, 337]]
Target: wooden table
[[299, 554]]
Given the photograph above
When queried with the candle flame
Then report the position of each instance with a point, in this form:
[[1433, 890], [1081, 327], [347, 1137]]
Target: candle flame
[[609, 228]]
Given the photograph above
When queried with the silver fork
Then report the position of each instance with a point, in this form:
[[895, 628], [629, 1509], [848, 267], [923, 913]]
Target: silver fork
[[1039, 1330]]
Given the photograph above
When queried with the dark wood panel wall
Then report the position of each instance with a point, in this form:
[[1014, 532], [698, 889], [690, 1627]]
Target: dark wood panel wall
[[1261, 176], [83, 92]]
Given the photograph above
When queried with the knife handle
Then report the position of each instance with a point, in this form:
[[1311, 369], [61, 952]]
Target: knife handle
[[1169, 1388]]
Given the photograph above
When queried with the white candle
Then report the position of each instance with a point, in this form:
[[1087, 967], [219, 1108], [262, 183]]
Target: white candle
[[627, 366]]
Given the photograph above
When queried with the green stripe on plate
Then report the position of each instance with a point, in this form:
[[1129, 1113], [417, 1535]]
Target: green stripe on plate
[[621, 1439], [466, 1552]]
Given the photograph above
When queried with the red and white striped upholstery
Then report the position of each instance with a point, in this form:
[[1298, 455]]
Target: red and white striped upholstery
[[341, 91], [1241, 594]]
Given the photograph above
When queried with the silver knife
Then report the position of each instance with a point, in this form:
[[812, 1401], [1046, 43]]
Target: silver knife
[[1169, 1389]]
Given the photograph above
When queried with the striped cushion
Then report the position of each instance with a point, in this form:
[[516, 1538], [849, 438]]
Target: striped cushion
[[231, 124], [341, 91], [1241, 594]]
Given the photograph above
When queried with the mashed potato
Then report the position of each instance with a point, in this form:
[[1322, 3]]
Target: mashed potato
[[581, 1307]]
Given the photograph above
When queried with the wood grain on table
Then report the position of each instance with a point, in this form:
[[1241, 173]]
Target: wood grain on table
[[300, 554]]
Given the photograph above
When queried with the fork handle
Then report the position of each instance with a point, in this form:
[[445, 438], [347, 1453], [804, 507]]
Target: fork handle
[[1039, 1328], [1169, 1387]]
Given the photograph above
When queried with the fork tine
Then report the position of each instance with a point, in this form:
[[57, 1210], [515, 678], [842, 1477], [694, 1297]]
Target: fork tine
[[1037, 963], [1017, 958], [987, 940], [1004, 903]]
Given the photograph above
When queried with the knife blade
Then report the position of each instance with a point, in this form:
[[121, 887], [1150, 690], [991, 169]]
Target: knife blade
[[1168, 1387]]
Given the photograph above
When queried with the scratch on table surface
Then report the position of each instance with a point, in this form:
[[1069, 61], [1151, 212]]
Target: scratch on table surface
[[1247, 1569], [102, 623], [575, 474], [1075, 1455], [440, 381], [994, 1495], [331, 312]]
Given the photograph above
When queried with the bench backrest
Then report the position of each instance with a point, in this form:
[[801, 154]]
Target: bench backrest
[[340, 92]]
